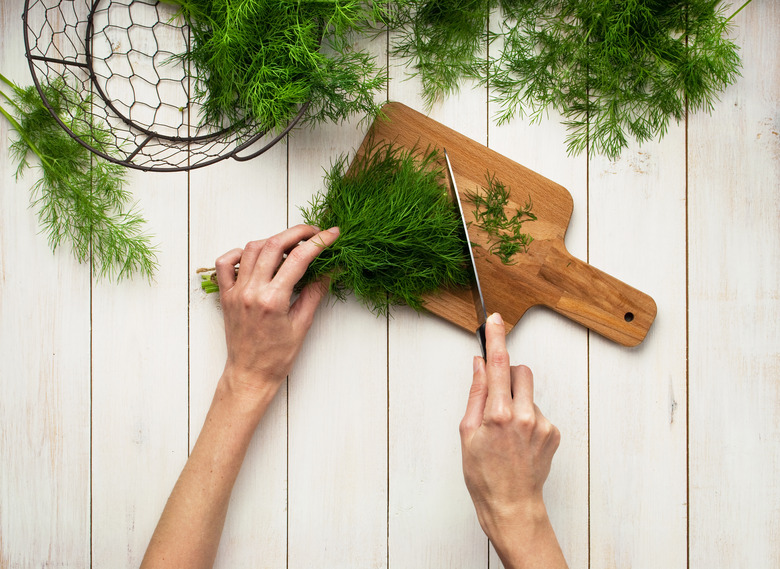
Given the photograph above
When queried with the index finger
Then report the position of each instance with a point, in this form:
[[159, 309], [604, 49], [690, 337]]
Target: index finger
[[226, 268], [300, 258], [497, 365], [271, 257]]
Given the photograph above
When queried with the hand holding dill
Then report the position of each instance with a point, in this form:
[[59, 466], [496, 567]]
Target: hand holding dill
[[401, 237]]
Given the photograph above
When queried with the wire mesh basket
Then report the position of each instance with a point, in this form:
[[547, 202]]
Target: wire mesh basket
[[115, 65]]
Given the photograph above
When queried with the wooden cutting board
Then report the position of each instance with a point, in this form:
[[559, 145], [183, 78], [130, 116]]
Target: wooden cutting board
[[546, 274]]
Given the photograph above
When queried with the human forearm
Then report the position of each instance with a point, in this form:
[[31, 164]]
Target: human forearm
[[189, 529], [264, 330]]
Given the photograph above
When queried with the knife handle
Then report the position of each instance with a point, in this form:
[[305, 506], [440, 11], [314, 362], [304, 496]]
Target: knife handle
[[597, 300], [482, 341]]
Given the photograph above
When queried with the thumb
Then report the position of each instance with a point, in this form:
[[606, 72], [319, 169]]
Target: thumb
[[475, 408], [303, 309]]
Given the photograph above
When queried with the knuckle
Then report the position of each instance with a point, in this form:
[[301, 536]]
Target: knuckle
[[267, 300], [246, 298], [555, 437], [274, 243], [298, 255], [252, 300], [526, 421], [228, 259], [500, 416], [499, 358], [253, 246]]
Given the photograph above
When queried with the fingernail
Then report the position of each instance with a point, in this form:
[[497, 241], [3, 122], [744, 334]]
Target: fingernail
[[495, 318], [334, 230]]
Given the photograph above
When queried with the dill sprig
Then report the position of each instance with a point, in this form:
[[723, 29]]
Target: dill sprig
[[443, 41], [614, 70], [79, 197], [259, 60], [505, 233], [401, 236]]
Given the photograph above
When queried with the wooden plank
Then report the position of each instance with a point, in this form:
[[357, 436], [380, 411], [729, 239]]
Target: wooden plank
[[139, 385], [232, 203], [140, 359], [337, 401], [561, 383], [44, 366], [734, 252], [638, 397], [432, 522]]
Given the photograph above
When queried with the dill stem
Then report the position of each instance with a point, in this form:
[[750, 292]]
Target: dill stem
[[8, 82], [737, 12], [14, 123], [18, 128]]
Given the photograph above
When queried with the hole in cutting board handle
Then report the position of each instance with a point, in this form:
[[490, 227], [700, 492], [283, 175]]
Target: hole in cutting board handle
[[628, 316]]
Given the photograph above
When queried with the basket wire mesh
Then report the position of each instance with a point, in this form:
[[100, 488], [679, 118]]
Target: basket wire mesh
[[117, 64]]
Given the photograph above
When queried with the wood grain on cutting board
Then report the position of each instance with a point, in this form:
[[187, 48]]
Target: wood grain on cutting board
[[546, 274]]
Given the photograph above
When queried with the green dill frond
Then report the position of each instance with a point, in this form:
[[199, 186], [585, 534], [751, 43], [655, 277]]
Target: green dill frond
[[444, 41], [79, 198], [615, 70], [259, 60], [401, 237]]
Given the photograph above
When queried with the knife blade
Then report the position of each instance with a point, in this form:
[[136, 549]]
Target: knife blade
[[476, 288]]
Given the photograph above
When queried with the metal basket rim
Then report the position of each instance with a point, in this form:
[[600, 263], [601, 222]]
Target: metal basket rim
[[149, 134]]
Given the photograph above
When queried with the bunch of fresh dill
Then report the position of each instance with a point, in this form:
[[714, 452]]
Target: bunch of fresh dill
[[505, 232], [401, 236], [614, 69], [79, 197], [258, 61]]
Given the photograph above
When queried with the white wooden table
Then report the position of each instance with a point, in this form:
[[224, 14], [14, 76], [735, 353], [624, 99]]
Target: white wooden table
[[671, 451]]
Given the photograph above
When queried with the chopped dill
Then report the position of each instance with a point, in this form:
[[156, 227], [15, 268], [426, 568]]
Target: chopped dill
[[505, 235]]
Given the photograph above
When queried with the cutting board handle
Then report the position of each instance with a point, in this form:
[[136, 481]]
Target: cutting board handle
[[597, 300]]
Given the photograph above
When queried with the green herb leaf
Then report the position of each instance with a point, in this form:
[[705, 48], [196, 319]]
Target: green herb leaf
[[505, 235], [79, 197], [401, 236], [614, 70], [260, 60]]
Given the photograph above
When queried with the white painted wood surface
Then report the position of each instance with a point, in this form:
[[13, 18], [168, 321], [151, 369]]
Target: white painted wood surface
[[432, 521], [670, 452], [734, 305]]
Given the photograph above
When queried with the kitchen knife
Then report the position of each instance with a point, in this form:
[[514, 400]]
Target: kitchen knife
[[476, 288]]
